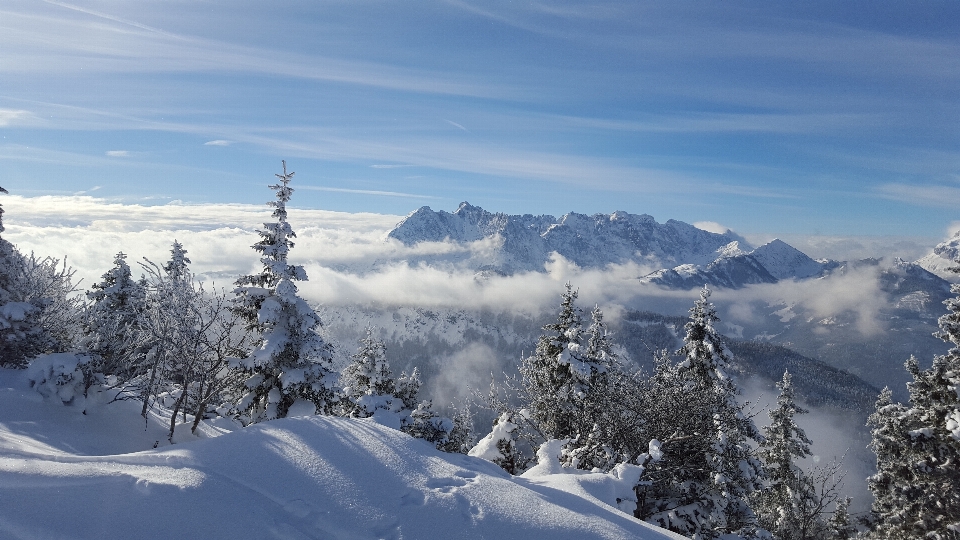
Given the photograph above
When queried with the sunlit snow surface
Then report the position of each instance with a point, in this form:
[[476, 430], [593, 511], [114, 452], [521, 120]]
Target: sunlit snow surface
[[64, 474]]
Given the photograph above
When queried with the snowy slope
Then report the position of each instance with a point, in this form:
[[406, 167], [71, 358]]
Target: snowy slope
[[944, 257], [65, 474]]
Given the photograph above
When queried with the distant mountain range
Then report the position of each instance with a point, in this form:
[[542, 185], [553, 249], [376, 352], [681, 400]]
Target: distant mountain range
[[688, 257], [909, 299], [589, 241]]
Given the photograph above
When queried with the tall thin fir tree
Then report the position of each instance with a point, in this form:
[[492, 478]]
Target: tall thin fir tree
[[290, 361], [596, 445], [702, 485], [790, 507]]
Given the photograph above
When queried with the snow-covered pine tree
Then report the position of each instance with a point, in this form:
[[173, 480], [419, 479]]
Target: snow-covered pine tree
[[598, 409], [367, 382], [702, 485], [558, 376], [917, 486], [892, 486], [499, 445], [177, 268], [840, 527], [111, 326], [790, 506], [290, 361]]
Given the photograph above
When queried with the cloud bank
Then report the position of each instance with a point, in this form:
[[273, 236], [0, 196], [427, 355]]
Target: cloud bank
[[351, 261]]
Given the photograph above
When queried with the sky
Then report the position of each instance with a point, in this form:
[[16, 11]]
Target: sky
[[804, 119]]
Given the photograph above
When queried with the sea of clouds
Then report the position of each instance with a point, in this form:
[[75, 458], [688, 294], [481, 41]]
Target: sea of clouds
[[350, 260]]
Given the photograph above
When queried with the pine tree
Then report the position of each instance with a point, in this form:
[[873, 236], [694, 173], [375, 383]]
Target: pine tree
[[112, 323], [790, 506], [840, 527], [367, 382], [597, 422], [917, 486], [702, 485], [500, 446], [554, 376], [177, 268], [291, 360]]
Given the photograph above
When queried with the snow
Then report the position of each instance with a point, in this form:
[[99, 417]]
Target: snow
[[953, 424], [102, 472], [486, 448], [14, 311], [783, 261]]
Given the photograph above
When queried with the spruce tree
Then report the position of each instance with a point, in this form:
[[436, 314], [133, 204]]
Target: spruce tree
[[702, 484], [291, 360], [840, 527], [790, 506], [598, 420], [367, 382], [112, 332], [553, 376]]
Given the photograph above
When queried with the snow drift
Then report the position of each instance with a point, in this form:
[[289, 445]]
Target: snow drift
[[297, 478]]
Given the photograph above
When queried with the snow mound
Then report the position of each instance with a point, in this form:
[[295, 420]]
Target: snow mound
[[297, 478]]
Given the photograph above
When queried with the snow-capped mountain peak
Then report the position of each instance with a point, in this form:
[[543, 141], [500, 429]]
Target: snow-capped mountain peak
[[943, 258], [589, 241], [784, 261]]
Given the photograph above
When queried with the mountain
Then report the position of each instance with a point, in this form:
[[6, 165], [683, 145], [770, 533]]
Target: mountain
[[690, 257], [735, 268], [784, 261], [944, 256], [527, 241]]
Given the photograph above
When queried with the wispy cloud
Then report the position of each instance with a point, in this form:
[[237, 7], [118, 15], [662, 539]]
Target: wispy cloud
[[218, 142], [107, 43], [118, 153], [456, 125], [369, 192], [928, 195], [10, 117]]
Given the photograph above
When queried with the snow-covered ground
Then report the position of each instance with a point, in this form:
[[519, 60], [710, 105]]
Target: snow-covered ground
[[69, 474]]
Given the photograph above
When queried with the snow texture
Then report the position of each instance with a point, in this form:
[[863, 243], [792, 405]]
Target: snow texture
[[67, 473]]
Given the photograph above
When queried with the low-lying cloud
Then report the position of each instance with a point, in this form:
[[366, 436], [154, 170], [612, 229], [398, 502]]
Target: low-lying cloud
[[350, 260]]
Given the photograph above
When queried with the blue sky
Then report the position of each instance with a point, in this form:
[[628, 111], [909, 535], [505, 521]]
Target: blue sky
[[767, 117]]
